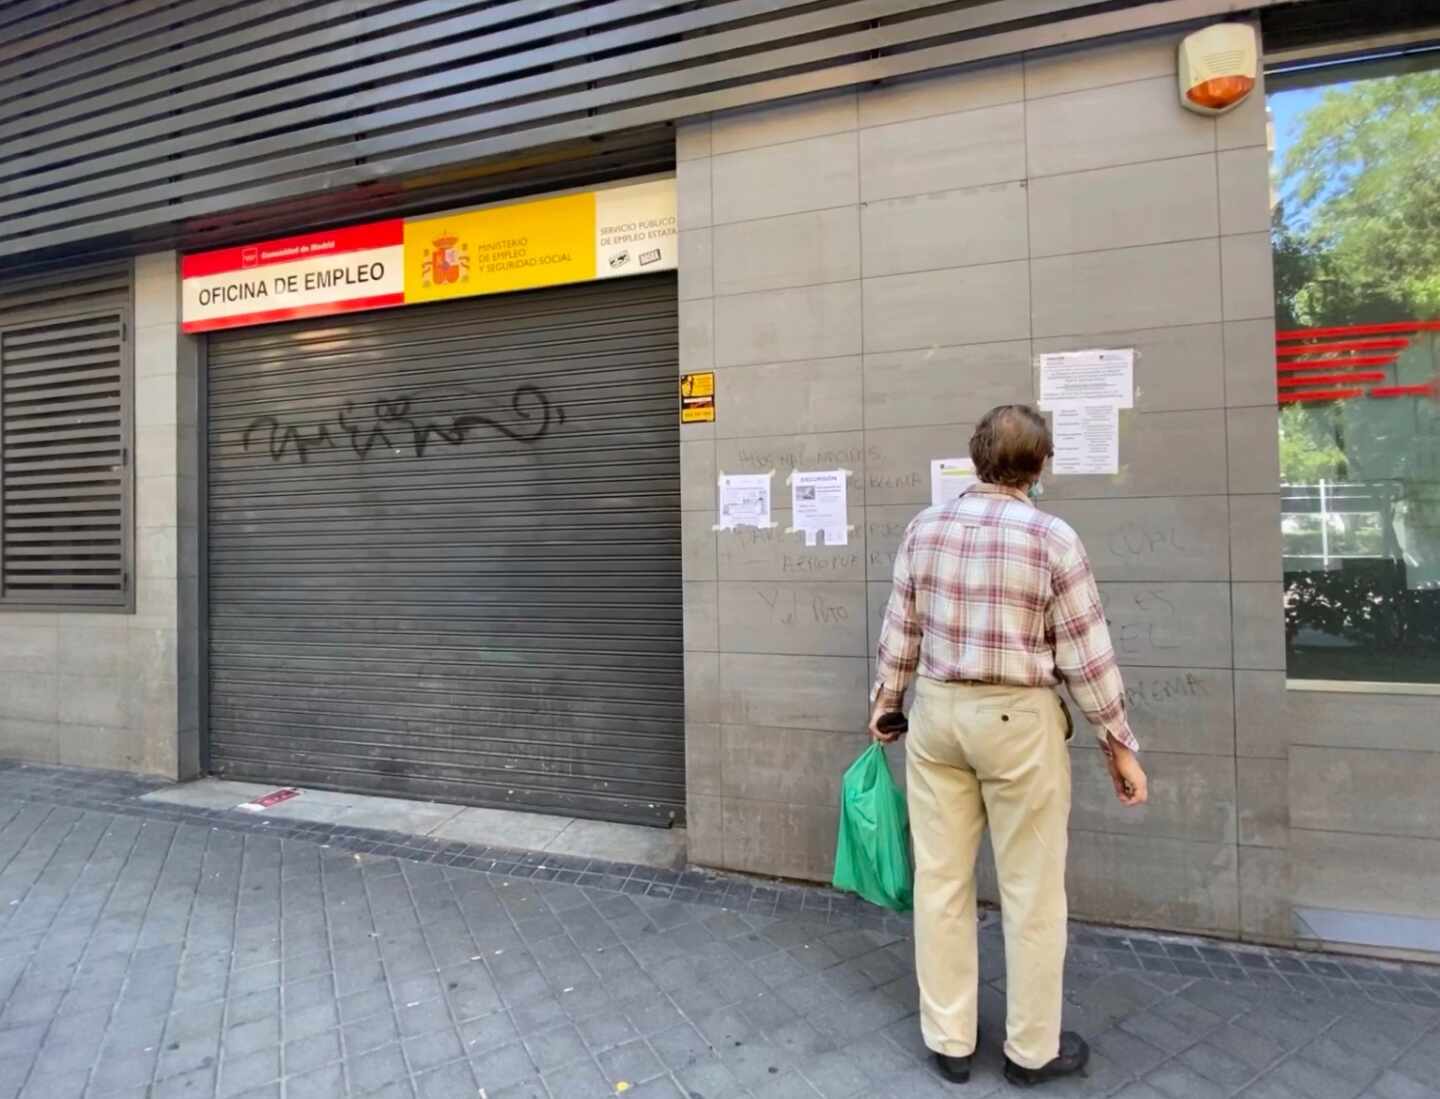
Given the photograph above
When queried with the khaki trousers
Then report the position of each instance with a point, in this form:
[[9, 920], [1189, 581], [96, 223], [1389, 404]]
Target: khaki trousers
[[998, 754]]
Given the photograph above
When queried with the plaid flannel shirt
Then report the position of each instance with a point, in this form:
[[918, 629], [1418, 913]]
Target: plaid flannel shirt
[[988, 589]]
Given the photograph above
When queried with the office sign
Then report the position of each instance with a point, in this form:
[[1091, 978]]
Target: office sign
[[362, 267], [606, 233]]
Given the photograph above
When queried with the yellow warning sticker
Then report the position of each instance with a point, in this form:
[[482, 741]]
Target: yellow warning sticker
[[697, 398]]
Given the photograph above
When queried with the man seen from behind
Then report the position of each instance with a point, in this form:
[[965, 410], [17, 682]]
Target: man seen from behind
[[995, 606]]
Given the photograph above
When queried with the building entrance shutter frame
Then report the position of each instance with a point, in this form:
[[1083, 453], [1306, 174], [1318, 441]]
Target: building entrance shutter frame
[[444, 552]]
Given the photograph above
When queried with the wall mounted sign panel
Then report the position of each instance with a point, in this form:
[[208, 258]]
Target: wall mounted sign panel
[[572, 238]]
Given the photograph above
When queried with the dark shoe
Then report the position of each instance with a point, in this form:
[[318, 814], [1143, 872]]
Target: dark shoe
[[954, 1069], [1074, 1056]]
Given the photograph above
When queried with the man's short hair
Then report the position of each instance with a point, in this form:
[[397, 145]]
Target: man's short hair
[[1011, 445]]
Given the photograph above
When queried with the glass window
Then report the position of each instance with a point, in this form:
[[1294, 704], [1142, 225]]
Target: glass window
[[1356, 236]]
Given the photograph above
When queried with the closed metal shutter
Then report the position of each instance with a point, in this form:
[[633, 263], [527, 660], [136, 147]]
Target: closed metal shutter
[[444, 552]]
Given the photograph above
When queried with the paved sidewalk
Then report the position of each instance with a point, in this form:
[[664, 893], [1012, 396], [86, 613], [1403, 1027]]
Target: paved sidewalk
[[148, 950], [458, 826]]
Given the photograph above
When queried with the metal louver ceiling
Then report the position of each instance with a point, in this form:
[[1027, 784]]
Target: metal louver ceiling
[[203, 122]]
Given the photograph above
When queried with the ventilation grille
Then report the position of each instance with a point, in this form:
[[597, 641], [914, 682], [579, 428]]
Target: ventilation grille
[[63, 459]]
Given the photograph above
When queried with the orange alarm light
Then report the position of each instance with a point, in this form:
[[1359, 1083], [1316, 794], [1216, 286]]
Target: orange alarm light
[[1218, 67], [1220, 92]]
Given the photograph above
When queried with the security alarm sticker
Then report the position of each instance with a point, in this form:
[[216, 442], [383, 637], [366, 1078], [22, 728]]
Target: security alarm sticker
[[697, 398]]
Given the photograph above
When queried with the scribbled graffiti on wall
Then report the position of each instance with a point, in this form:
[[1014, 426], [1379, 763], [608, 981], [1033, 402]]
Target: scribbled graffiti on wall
[[389, 426]]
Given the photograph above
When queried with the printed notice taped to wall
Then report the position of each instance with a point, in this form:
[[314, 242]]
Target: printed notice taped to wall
[[1092, 377], [820, 506], [949, 479], [744, 500], [1086, 437]]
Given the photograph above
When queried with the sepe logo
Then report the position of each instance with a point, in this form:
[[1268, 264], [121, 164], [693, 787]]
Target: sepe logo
[[647, 258], [619, 259], [249, 257]]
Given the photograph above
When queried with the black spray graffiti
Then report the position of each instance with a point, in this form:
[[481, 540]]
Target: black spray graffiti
[[390, 426]]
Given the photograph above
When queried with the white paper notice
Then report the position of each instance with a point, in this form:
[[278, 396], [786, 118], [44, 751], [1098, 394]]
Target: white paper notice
[[1094, 377], [949, 477], [820, 506], [744, 500], [1087, 438]]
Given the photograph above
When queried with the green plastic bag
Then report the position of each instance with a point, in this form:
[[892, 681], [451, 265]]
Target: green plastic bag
[[872, 851]]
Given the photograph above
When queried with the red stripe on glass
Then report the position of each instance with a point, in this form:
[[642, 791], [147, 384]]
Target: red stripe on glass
[[1320, 395], [1332, 379], [1349, 345], [1338, 364], [1404, 391], [1357, 330]]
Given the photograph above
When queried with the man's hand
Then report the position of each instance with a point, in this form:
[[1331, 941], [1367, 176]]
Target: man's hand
[[878, 711], [1131, 785]]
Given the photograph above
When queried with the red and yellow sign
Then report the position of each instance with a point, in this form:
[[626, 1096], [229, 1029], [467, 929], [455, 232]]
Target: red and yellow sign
[[361, 267], [616, 231]]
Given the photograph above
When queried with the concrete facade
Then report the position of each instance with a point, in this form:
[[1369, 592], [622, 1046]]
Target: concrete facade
[[120, 691], [1364, 819], [867, 273]]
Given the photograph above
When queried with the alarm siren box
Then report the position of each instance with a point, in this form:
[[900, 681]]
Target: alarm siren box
[[1218, 67]]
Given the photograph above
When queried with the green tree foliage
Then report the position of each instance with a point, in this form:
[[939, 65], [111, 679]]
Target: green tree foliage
[[1308, 449], [1363, 191]]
